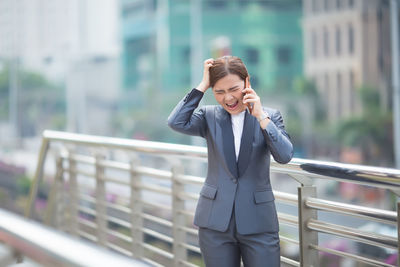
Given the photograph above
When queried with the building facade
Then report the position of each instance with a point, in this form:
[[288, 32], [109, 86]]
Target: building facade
[[165, 42], [346, 46]]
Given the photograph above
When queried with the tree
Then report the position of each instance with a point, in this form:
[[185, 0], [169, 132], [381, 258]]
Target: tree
[[371, 131]]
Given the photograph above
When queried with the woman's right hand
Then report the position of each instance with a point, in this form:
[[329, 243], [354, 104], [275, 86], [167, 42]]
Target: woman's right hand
[[205, 83]]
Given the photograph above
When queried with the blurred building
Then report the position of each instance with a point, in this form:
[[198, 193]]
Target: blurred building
[[73, 43], [165, 42], [347, 45]]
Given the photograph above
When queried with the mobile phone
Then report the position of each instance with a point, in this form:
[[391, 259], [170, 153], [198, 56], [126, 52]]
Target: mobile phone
[[247, 85]]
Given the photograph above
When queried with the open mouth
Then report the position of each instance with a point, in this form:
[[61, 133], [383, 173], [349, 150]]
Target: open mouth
[[232, 105]]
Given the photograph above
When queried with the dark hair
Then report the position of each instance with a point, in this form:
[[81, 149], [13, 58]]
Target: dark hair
[[226, 65]]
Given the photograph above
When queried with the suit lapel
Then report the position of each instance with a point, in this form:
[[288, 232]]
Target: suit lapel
[[228, 142], [246, 146]]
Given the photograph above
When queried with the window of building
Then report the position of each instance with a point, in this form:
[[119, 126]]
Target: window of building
[[217, 3], [314, 7], [338, 40], [351, 39], [339, 95], [351, 3], [338, 4], [252, 55], [314, 43], [352, 92], [284, 54], [326, 42], [326, 5]]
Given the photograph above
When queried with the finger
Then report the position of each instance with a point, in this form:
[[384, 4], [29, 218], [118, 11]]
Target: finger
[[248, 91], [248, 84]]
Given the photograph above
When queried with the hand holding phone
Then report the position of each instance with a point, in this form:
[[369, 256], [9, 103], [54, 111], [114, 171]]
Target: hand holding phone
[[247, 85]]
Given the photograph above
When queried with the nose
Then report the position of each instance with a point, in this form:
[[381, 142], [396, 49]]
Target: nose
[[228, 97]]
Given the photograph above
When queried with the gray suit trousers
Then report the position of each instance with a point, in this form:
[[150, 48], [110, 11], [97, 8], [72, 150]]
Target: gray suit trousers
[[225, 249]]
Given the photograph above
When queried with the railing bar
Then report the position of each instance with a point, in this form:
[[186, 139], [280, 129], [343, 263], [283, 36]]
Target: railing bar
[[191, 247], [87, 236], [354, 234], [87, 223], [289, 240], [385, 216], [119, 221], [188, 196], [157, 220], [288, 219], [191, 179], [186, 263], [118, 207], [165, 175], [158, 206], [155, 188], [119, 235], [114, 165], [85, 197], [81, 172], [350, 256], [87, 210], [115, 181], [119, 249], [290, 261], [159, 251], [79, 158], [189, 230], [187, 213], [152, 263], [286, 197], [158, 235]]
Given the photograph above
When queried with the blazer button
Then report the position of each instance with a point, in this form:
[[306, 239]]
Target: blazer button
[[234, 181]]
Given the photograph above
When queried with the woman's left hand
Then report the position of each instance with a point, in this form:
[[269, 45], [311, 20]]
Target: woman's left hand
[[253, 99]]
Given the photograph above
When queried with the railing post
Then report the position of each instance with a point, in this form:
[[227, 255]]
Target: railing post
[[308, 256], [53, 203], [178, 218], [73, 192], [398, 233], [136, 210], [101, 208]]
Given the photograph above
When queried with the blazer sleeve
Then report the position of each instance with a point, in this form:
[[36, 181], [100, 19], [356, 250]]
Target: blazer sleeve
[[277, 139], [185, 119]]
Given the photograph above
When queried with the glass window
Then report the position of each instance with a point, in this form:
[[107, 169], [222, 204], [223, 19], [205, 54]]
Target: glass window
[[351, 3], [252, 55], [326, 5], [284, 54], [338, 41], [351, 39], [326, 42], [314, 43], [339, 94]]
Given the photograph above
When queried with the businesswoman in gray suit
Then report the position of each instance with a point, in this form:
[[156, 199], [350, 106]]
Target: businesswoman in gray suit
[[236, 212]]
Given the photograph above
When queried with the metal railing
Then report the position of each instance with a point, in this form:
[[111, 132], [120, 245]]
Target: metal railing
[[51, 248], [138, 197]]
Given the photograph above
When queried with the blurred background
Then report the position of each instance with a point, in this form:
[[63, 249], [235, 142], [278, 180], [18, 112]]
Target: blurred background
[[118, 67]]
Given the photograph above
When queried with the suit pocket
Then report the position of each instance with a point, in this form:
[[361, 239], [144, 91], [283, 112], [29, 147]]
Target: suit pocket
[[208, 191], [204, 205], [263, 196]]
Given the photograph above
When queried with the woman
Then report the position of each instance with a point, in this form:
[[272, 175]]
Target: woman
[[236, 212]]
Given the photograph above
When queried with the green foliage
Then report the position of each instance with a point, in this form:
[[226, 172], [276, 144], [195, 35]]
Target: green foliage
[[23, 185], [371, 131]]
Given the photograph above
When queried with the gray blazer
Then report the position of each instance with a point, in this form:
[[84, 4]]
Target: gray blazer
[[243, 185]]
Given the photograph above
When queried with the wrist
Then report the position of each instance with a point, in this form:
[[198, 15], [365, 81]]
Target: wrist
[[202, 87], [263, 117]]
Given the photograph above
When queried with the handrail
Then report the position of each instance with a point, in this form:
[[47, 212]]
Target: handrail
[[53, 248], [377, 176], [302, 170]]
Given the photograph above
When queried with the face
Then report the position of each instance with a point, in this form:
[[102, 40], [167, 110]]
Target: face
[[228, 93]]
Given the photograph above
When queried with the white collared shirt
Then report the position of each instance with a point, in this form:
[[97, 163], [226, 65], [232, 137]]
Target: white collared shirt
[[237, 128]]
